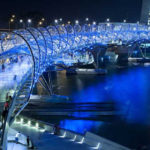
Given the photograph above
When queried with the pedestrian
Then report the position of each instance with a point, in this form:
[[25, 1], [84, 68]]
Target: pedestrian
[[4, 114], [6, 105], [15, 77], [17, 137], [56, 129], [28, 141]]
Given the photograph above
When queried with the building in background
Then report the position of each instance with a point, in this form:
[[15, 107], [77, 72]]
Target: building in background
[[145, 12]]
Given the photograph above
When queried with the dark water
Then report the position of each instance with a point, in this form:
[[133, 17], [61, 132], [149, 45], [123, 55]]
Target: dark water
[[129, 88]]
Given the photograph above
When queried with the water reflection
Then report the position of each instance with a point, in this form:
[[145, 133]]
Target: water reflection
[[80, 125], [129, 89]]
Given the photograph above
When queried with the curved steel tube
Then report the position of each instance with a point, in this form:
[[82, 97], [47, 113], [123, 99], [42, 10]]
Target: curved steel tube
[[71, 40]]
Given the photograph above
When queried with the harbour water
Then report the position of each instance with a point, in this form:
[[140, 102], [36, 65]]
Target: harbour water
[[128, 88]]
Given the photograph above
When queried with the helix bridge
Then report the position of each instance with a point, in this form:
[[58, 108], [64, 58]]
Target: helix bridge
[[60, 44]]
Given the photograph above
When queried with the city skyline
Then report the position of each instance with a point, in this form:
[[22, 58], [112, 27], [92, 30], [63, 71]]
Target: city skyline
[[98, 10]]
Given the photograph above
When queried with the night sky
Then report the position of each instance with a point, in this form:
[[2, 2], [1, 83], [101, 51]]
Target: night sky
[[98, 10]]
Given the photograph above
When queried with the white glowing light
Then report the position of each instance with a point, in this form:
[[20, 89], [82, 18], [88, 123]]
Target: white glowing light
[[74, 138], [21, 120], [21, 21], [52, 133], [42, 130], [56, 21], [64, 135], [108, 20], [108, 24], [124, 21], [82, 140], [29, 123], [77, 22], [29, 20], [87, 19], [94, 23], [37, 125], [98, 146]]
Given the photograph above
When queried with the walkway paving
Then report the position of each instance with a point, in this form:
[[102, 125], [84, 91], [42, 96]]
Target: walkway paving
[[47, 141], [11, 141]]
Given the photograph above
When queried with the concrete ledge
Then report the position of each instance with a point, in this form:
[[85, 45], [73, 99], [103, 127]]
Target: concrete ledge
[[94, 141]]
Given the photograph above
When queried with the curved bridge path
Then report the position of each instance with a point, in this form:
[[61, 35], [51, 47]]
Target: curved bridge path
[[60, 44]]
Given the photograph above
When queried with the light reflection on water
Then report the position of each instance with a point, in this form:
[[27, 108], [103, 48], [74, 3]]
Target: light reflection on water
[[128, 88], [80, 126]]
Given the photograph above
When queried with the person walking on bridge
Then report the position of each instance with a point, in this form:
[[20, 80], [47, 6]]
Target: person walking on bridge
[[4, 114], [6, 105], [30, 143]]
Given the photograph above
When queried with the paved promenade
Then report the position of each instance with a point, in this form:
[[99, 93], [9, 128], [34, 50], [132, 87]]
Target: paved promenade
[[47, 141]]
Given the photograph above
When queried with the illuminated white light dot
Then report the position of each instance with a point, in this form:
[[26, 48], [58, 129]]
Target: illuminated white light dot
[[87, 19], [21, 120], [29, 20], [108, 20], [56, 21], [29, 122], [77, 22], [124, 21], [21, 21], [94, 23], [37, 125]]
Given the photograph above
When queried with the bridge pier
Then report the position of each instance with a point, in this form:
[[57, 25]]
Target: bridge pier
[[99, 56]]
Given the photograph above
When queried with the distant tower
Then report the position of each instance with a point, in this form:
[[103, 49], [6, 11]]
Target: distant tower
[[145, 13]]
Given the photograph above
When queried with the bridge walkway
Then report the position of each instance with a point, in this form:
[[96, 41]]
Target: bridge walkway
[[47, 141]]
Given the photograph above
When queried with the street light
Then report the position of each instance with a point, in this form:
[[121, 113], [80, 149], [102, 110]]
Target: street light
[[43, 19], [87, 19], [10, 21], [60, 19], [40, 23], [107, 19], [76, 22], [21, 21], [56, 21], [29, 22], [124, 21], [94, 23], [13, 16]]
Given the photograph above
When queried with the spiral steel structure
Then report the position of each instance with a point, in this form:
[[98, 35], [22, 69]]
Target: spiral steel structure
[[46, 45]]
